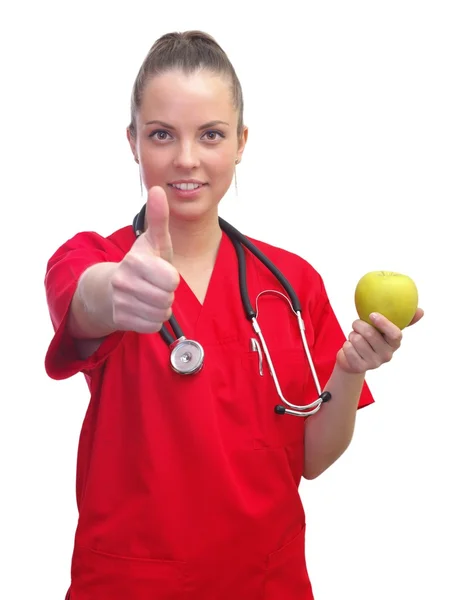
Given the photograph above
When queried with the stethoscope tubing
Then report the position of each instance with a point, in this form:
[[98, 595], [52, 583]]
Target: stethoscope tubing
[[239, 240]]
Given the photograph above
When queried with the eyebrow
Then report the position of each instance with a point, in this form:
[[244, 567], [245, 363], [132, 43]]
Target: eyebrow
[[205, 126]]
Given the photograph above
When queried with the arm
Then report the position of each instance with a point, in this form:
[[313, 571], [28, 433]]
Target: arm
[[134, 294], [95, 293], [90, 315], [328, 432]]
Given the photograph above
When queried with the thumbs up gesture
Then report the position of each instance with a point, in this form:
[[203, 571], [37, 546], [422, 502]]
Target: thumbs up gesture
[[144, 282]]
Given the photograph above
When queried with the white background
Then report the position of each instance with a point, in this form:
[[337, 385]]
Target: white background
[[361, 114]]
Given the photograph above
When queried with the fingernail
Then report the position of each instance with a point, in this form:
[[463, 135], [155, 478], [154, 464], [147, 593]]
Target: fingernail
[[374, 316]]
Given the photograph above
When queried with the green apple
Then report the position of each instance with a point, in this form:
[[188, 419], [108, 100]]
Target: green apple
[[391, 294]]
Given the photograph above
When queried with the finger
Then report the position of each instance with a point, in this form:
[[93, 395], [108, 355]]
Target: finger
[[141, 270], [157, 233], [363, 348], [140, 325], [152, 296], [354, 360], [134, 310], [392, 333], [375, 339], [417, 317]]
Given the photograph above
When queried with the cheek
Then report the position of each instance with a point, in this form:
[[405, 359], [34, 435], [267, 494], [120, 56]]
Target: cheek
[[153, 168], [221, 160], [223, 165], [224, 177]]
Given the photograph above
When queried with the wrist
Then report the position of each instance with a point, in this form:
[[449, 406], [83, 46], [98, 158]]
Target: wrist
[[344, 366], [343, 378], [94, 293]]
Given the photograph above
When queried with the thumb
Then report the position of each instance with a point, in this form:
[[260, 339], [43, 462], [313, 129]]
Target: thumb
[[417, 317], [157, 234]]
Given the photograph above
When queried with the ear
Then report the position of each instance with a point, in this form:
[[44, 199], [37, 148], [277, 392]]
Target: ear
[[242, 143], [133, 144]]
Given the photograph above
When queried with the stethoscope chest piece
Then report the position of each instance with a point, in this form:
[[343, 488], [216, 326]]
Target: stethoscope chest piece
[[187, 356]]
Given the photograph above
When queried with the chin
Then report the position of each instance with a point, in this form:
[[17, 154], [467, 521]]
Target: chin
[[192, 211]]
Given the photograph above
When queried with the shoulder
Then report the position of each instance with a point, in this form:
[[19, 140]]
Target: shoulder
[[111, 247], [294, 267]]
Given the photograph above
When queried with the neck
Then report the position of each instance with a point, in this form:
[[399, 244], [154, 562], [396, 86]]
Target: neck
[[195, 240]]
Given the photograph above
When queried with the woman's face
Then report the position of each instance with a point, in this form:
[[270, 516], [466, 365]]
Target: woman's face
[[186, 140]]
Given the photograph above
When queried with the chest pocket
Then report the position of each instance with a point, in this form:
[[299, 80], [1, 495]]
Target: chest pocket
[[279, 326], [271, 430]]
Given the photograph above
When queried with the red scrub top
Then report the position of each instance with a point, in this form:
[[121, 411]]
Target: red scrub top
[[187, 486]]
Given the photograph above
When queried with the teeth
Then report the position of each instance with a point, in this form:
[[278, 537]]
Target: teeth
[[186, 186]]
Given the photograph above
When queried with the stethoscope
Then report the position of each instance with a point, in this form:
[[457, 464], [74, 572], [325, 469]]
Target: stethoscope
[[187, 356]]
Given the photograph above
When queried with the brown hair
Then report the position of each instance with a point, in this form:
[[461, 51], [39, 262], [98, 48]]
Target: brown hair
[[188, 51]]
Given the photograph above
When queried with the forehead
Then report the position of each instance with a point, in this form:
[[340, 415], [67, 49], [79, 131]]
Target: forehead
[[177, 96]]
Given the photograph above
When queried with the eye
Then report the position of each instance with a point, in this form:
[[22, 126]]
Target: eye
[[213, 135], [160, 135]]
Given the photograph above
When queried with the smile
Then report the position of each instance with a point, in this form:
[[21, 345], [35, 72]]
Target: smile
[[186, 186]]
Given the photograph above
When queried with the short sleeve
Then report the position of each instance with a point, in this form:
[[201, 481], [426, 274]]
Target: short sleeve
[[328, 338], [63, 271]]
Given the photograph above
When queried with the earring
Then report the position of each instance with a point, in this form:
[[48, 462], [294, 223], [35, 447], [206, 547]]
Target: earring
[[235, 180], [141, 184], [236, 162]]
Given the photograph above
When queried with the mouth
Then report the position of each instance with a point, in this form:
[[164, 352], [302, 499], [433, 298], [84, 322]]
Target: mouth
[[187, 190], [188, 186]]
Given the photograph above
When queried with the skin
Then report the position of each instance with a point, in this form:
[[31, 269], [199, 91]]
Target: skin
[[186, 150], [329, 432]]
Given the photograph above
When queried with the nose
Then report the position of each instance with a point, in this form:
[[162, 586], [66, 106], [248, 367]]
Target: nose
[[186, 157]]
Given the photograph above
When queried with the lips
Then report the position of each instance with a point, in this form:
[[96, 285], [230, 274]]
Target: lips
[[188, 190], [186, 186]]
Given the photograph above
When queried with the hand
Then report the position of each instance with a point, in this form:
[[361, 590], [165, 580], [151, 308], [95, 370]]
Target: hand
[[368, 346], [144, 282]]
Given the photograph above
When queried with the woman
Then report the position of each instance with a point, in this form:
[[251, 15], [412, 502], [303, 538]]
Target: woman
[[187, 485]]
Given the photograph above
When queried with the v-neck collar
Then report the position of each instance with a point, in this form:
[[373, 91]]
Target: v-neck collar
[[186, 302], [223, 285]]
